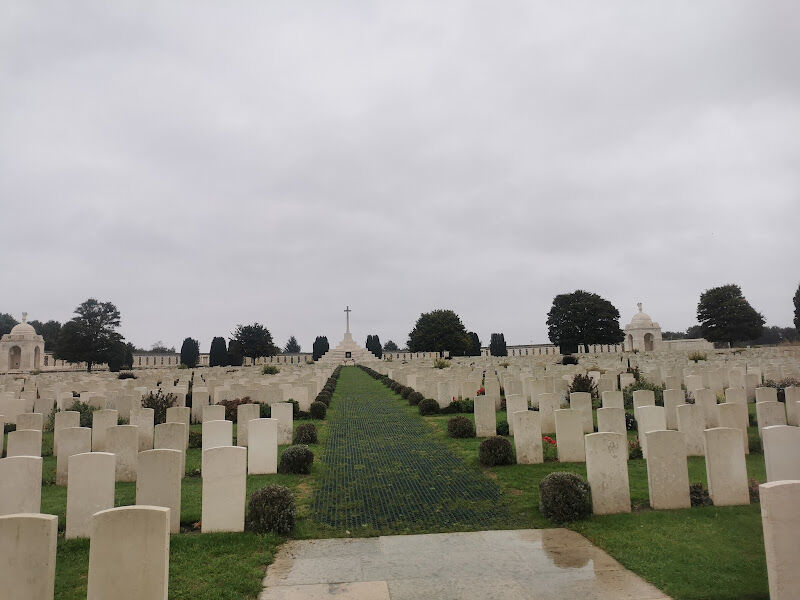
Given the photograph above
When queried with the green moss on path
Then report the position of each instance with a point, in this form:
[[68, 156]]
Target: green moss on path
[[387, 471]]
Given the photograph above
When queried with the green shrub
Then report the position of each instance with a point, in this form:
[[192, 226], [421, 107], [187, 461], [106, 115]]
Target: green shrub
[[459, 406], [502, 428], [642, 384], [441, 363], [428, 406], [324, 397], [696, 356], [270, 370], [495, 451], [86, 411], [232, 407], [405, 392], [414, 398], [583, 383], [125, 375], [318, 410], [564, 497], [296, 460], [159, 402], [264, 411], [698, 495], [460, 427], [568, 359], [271, 508], [195, 439], [634, 450], [305, 433]]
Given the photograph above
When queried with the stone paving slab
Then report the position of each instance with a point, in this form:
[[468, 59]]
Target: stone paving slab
[[529, 564]]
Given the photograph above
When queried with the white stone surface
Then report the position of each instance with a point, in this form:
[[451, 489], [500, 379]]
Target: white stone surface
[[123, 441], [485, 417], [667, 470], [74, 440], [20, 485], [692, 423], [725, 467], [24, 442], [569, 436], [607, 472], [780, 521], [527, 437], [283, 412], [781, 452], [224, 489], [217, 433], [158, 482], [611, 420], [90, 490], [262, 452], [28, 556]]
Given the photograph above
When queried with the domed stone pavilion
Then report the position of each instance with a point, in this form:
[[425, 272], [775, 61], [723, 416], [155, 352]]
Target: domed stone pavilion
[[22, 350], [642, 333]]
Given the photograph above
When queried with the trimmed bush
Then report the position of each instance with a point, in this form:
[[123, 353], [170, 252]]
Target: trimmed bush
[[231, 407], [698, 495], [405, 392], [460, 427], [195, 439], [270, 370], [264, 411], [318, 410], [159, 402], [564, 497], [568, 359], [495, 451], [428, 406], [296, 460], [502, 428], [125, 375], [86, 411], [306, 433], [414, 398], [271, 508]]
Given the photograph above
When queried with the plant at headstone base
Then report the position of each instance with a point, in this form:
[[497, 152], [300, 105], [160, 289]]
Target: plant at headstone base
[[781, 386], [50, 421], [125, 375], [549, 449], [306, 433], [634, 450], [642, 384], [271, 508], [414, 398], [568, 359], [697, 356], [318, 410], [583, 383], [752, 488], [406, 392], [296, 460], [159, 402], [232, 407], [428, 406], [264, 410], [460, 427], [270, 370], [754, 443], [458, 406], [495, 451], [195, 439], [481, 392], [564, 497], [441, 363], [698, 495], [325, 397], [630, 422], [85, 411], [502, 428]]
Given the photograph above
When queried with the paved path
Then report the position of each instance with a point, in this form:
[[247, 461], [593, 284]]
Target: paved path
[[529, 564], [387, 473]]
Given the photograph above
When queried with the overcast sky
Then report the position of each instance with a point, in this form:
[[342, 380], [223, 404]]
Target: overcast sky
[[203, 164]]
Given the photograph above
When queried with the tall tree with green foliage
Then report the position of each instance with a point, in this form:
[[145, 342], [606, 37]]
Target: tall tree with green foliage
[[438, 331], [797, 309], [127, 362], [235, 353], [390, 346], [497, 345], [292, 347], [190, 352], [475, 344], [7, 323], [118, 357], [374, 345], [254, 341], [725, 315], [582, 318], [218, 354], [320, 347], [49, 331], [91, 336]]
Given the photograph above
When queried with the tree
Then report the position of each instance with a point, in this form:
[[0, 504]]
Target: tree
[[726, 316], [118, 357], [235, 354], [128, 362], [374, 345], [497, 345], [254, 341], [475, 344], [190, 352], [775, 335], [91, 336], [292, 347], [7, 323], [797, 308], [320, 347], [582, 318], [437, 331], [218, 354], [673, 335], [49, 331], [160, 347], [694, 332], [390, 346]]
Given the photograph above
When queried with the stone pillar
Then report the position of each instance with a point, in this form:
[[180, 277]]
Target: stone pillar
[[74, 440], [217, 433], [667, 471], [90, 490], [213, 412], [548, 404], [485, 417], [28, 556], [180, 414], [123, 441], [582, 401], [101, 421], [527, 437], [780, 521], [781, 452], [569, 436], [262, 456], [725, 467], [770, 413], [673, 399], [129, 554], [158, 482], [171, 436], [707, 399], [283, 412], [224, 488], [244, 414], [649, 418], [514, 403], [611, 420], [144, 418], [613, 400], [607, 472], [735, 415], [30, 421], [692, 423], [24, 442], [20, 485]]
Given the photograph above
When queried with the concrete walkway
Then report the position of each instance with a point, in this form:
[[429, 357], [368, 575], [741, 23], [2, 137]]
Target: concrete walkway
[[530, 564]]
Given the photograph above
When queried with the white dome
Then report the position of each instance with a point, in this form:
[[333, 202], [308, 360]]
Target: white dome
[[24, 328]]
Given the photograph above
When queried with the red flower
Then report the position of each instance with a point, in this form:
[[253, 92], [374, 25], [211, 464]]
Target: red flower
[[549, 440]]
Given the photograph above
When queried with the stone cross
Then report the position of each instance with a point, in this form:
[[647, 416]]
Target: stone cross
[[348, 311], [639, 304]]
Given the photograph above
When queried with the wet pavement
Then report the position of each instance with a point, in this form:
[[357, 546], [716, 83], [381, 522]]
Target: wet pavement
[[530, 564]]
